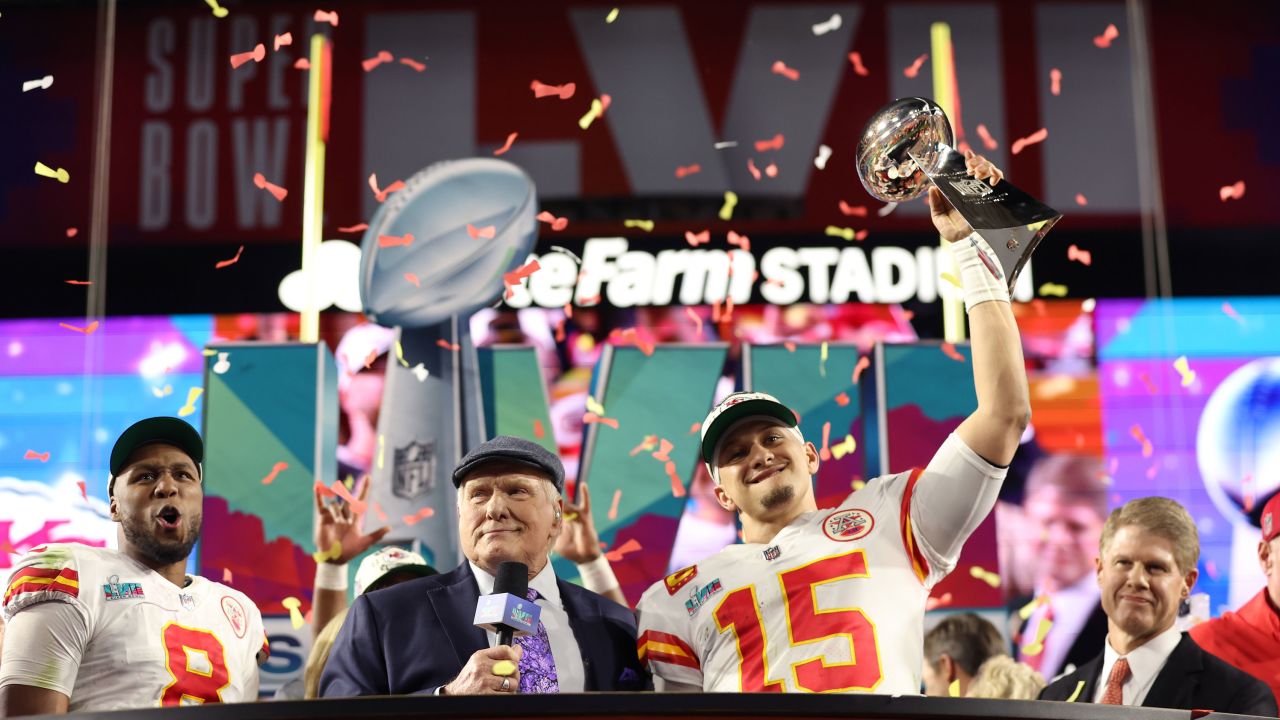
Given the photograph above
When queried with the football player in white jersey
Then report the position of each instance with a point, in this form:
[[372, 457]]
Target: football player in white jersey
[[833, 600], [98, 629]]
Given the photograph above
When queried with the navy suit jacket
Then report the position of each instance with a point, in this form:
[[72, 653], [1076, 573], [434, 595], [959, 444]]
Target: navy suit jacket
[[414, 637]]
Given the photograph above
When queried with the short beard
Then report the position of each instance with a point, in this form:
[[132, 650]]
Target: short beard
[[159, 552], [778, 497]]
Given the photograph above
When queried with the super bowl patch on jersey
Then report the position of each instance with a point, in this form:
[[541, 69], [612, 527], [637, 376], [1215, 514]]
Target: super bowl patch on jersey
[[234, 611], [700, 596], [848, 525]]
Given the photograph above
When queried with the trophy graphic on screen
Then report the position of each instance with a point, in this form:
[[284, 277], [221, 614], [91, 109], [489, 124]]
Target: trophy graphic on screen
[[907, 146]]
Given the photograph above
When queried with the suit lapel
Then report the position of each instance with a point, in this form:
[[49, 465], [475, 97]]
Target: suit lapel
[[1090, 672], [1179, 678], [454, 602], [589, 631]]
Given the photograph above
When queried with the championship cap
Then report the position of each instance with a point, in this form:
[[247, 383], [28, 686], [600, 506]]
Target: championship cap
[[167, 430], [739, 406], [1271, 518], [386, 561]]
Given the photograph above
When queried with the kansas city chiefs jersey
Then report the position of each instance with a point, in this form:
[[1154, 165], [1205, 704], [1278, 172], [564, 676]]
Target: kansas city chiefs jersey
[[140, 640], [835, 603]]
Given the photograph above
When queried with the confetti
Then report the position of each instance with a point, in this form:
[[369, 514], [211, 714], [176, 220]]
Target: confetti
[[953, 690], [629, 546], [1184, 370], [1104, 40], [417, 66], [730, 202], [413, 278], [645, 445], [771, 170], [663, 452], [631, 336], [986, 576], [725, 144], [61, 175], [822, 359], [740, 241], [695, 428], [256, 54], [381, 195], [1083, 256], [1036, 646], [751, 167], [1231, 192], [1081, 200], [382, 57], [1055, 81], [594, 406], [774, 143], [645, 225], [282, 40], [192, 395], [1246, 487], [613, 509], [42, 84], [932, 603], [950, 351], [598, 106], [1053, 289], [824, 154], [386, 241], [1079, 689], [445, 344], [1035, 137], [541, 90], [226, 576], [218, 10], [302, 64], [555, 222], [515, 276], [844, 447], [226, 263], [295, 616], [87, 330], [422, 514], [780, 68], [825, 452], [276, 191], [677, 486], [987, 141], [340, 489], [222, 365], [1231, 313], [72, 232], [683, 171], [1146, 380], [888, 208], [696, 239], [613, 15], [33, 455], [914, 68], [591, 417], [858, 68], [420, 372], [823, 28], [846, 233], [165, 391], [275, 470], [354, 228], [1025, 611], [847, 209], [1136, 432], [697, 321], [330, 17], [842, 399], [538, 430], [400, 354]]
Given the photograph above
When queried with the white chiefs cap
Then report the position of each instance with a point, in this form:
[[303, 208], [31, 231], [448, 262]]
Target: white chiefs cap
[[739, 406], [386, 561]]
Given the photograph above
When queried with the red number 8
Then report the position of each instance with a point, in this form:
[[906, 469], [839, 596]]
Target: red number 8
[[188, 682]]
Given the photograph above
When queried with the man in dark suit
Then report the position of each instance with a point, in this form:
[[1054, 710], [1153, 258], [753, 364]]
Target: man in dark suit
[[418, 637], [1147, 567]]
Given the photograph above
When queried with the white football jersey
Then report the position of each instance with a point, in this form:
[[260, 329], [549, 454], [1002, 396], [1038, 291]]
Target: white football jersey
[[835, 603], [135, 639]]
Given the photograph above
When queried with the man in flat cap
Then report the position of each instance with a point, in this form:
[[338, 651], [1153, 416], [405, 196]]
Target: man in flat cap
[[419, 638]]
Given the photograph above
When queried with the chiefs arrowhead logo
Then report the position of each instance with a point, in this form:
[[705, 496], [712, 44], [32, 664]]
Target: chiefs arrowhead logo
[[848, 525], [680, 578]]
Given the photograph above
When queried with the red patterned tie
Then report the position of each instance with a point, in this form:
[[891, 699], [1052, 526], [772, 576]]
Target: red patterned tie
[[1115, 684]]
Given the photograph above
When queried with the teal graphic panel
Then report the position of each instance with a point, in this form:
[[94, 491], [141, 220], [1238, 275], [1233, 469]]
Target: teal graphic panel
[[515, 396]]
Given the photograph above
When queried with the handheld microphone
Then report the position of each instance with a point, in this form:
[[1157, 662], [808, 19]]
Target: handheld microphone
[[508, 612]]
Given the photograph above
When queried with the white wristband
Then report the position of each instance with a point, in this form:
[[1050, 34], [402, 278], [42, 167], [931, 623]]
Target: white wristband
[[330, 576], [979, 270], [597, 575]]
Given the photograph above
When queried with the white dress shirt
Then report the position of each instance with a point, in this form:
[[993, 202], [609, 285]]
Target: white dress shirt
[[564, 646], [1145, 663], [1072, 607]]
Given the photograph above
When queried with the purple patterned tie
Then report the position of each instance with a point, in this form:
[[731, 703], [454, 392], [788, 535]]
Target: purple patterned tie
[[537, 666]]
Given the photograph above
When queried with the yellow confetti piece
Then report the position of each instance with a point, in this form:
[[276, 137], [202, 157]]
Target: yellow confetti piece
[[846, 233], [1035, 647], [586, 343], [1184, 369], [295, 615], [208, 352], [645, 225], [952, 279], [570, 517], [1079, 689], [986, 576], [594, 406], [400, 354], [1025, 611], [382, 451], [597, 109], [504, 668], [218, 10], [1053, 289], [334, 551], [858, 484], [822, 359], [162, 392], [190, 407], [953, 689], [730, 202], [841, 449], [61, 175]]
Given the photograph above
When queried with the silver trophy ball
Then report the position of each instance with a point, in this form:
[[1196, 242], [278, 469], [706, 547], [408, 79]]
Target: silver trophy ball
[[908, 126]]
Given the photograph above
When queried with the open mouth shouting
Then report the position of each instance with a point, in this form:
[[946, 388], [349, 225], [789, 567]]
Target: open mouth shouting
[[169, 518]]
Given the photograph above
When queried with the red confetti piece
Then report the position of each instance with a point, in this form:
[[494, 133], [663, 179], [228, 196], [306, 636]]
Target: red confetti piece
[[695, 428], [842, 399], [340, 489], [914, 68], [686, 170], [72, 232], [771, 170], [417, 66], [1231, 313], [626, 547], [275, 470], [330, 17], [663, 451], [790, 346], [937, 602], [1231, 192], [1246, 485], [1083, 256], [697, 320], [422, 514], [78, 282], [87, 330], [858, 68], [382, 57], [413, 278], [864, 362], [448, 345], [506, 146], [382, 194], [613, 509], [487, 232], [774, 144], [1136, 432], [361, 227], [1035, 137], [677, 485], [276, 191], [741, 241], [226, 576], [780, 68], [825, 452], [1146, 380], [541, 90], [282, 40], [847, 209], [538, 430], [84, 490], [696, 239], [324, 490], [556, 223], [631, 336], [368, 359], [1104, 40], [755, 171], [1055, 81], [515, 276], [256, 55], [302, 64], [591, 417], [1081, 200], [987, 141], [226, 263], [560, 330], [386, 241], [646, 444], [861, 235], [33, 455], [950, 351]]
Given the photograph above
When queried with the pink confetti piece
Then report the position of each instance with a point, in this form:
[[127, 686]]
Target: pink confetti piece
[[84, 489], [87, 330], [541, 90], [78, 282], [696, 239], [360, 227], [538, 431], [697, 320], [1084, 257], [302, 64], [1081, 200], [382, 194], [936, 602], [771, 170], [851, 210], [506, 146], [340, 489], [382, 57], [684, 171], [282, 40], [613, 509], [226, 576], [694, 428], [1104, 40], [842, 399], [987, 141], [1231, 192], [33, 455], [790, 346], [487, 232], [276, 191], [677, 485], [629, 546], [413, 278], [858, 68], [589, 418], [913, 69], [422, 514], [1250, 498], [275, 470], [388, 241], [226, 263], [417, 66], [663, 452], [780, 68], [751, 167], [825, 451], [72, 232], [1136, 432], [515, 276], [632, 336], [330, 17], [740, 241], [1055, 81], [556, 223], [1231, 313], [950, 351], [455, 347], [773, 144], [1035, 137], [256, 54]]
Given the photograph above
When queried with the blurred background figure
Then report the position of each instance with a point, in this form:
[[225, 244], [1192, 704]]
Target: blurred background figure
[[955, 649], [1002, 677], [362, 366]]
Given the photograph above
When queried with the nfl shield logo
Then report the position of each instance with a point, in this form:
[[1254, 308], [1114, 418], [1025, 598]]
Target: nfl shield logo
[[415, 470], [972, 187]]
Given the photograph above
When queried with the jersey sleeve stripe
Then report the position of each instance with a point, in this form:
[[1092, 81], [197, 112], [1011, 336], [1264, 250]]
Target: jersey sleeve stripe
[[918, 561], [63, 580], [657, 656], [675, 643]]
